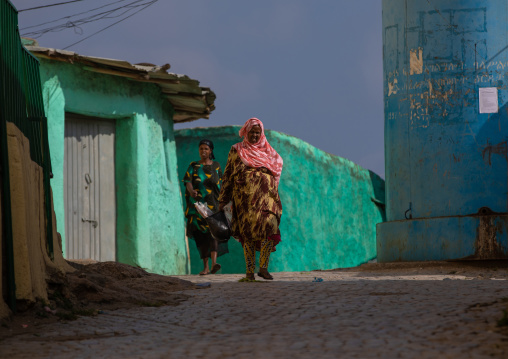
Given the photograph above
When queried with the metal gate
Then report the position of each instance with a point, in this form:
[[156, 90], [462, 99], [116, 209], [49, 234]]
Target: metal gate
[[89, 188]]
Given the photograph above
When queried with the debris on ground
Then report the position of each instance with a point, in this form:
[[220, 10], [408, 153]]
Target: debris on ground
[[204, 285]]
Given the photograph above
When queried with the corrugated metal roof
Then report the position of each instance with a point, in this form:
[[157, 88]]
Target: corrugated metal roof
[[190, 101]]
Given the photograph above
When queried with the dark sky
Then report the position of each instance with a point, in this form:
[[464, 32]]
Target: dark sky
[[311, 69]]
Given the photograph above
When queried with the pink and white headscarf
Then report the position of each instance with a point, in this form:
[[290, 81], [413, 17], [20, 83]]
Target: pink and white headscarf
[[259, 154]]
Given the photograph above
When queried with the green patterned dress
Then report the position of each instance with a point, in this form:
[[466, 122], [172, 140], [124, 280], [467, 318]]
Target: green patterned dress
[[206, 180]]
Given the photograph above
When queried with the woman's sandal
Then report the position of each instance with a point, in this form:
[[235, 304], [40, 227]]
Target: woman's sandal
[[250, 276], [265, 275], [216, 268]]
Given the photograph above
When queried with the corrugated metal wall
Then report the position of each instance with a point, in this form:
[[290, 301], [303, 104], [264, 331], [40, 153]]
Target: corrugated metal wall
[[21, 103]]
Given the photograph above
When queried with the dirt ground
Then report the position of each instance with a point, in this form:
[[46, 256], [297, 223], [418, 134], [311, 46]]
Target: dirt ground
[[93, 289], [96, 288], [481, 269]]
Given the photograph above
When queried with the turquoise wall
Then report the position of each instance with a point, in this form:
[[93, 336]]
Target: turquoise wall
[[150, 223], [329, 204]]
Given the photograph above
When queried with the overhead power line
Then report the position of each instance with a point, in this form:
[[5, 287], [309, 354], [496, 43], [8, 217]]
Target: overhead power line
[[43, 6], [107, 27], [77, 23], [124, 11], [70, 16]]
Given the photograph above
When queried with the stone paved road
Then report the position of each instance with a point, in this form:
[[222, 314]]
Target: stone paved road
[[347, 315]]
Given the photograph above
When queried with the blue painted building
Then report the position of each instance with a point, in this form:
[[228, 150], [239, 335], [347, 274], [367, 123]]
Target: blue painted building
[[445, 92]]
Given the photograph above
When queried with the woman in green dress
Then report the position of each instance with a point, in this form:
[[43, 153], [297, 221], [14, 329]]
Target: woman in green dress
[[202, 183], [250, 182]]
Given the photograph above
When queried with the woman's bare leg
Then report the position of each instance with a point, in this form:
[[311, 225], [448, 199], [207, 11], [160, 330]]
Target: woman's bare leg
[[215, 266], [205, 267], [214, 258]]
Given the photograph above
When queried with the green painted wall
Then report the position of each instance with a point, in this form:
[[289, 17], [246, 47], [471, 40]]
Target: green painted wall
[[150, 223], [329, 211]]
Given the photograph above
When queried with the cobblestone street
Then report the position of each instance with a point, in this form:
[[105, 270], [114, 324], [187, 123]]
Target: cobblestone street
[[346, 315]]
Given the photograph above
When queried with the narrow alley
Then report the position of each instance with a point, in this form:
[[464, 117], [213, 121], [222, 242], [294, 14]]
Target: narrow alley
[[319, 314]]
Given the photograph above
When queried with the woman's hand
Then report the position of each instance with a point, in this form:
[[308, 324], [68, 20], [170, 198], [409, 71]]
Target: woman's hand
[[192, 192]]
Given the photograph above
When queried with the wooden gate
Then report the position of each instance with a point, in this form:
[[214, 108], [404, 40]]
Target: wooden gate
[[89, 188]]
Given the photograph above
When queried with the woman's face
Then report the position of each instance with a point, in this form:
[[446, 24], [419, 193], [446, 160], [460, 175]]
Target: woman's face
[[254, 134], [204, 152]]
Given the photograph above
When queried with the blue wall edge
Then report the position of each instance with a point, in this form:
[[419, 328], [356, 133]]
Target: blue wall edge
[[444, 238]]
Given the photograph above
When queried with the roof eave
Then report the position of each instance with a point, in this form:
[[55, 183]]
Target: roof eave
[[190, 101]]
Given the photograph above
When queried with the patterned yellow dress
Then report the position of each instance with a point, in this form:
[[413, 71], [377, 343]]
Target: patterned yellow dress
[[256, 206]]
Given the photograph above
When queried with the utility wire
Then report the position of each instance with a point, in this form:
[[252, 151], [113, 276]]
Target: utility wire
[[68, 17], [99, 16], [40, 7], [84, 20], [107, 27]]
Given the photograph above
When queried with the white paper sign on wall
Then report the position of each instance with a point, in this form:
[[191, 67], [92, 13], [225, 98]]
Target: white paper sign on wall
[[488, 100]]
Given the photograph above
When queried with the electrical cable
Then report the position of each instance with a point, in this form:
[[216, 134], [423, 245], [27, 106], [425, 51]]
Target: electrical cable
[[67, 17], [100, 16], [107, 27], [43, 6], [84, 20]]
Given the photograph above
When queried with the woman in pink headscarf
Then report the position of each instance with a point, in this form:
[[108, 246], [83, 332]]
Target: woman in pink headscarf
[[250, 182]]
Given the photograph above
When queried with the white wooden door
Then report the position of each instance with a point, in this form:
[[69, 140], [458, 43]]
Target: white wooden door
[[89, 188]]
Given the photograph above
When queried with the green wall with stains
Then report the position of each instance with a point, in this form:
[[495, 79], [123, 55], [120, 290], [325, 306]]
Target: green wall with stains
[[330, 205], [150, 223]]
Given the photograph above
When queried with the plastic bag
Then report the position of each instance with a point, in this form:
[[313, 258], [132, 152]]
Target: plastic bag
[[219, 226], [203, 209], [228, 211]]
